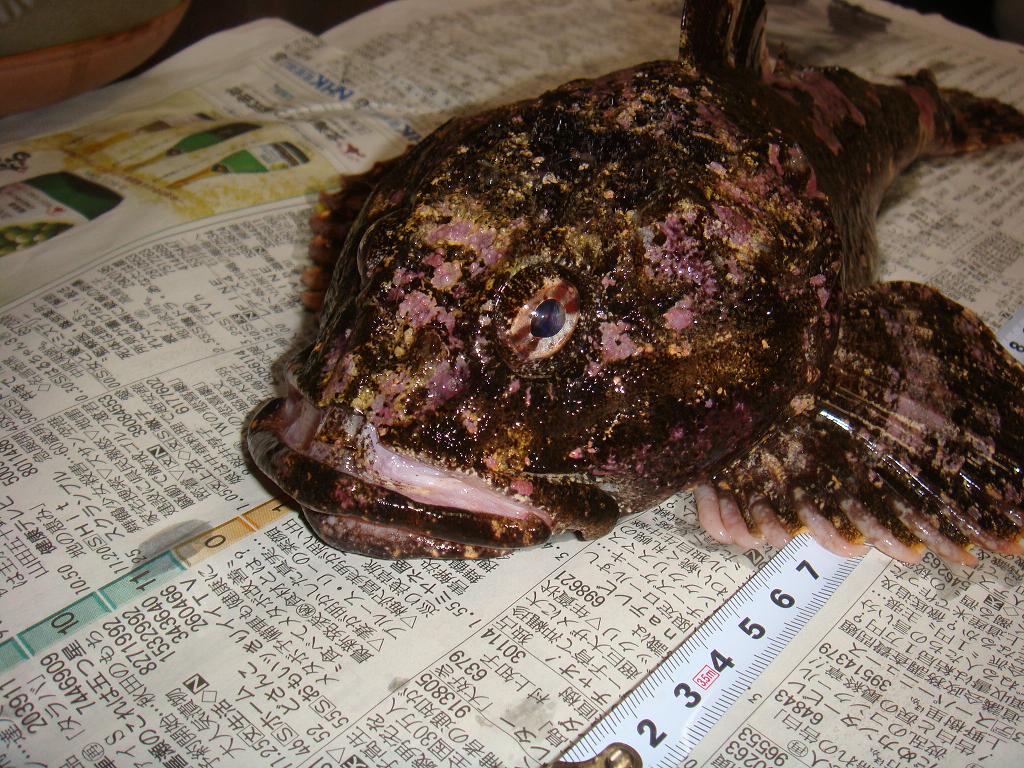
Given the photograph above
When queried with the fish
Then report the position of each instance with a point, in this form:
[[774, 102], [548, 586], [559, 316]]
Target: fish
[[558, 312]]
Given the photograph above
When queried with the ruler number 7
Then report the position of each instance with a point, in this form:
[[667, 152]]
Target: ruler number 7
[[805, 566]]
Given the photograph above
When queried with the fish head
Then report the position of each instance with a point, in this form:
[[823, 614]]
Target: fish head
[[538, 329]]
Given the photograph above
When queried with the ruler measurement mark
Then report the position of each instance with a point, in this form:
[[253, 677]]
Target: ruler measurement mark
[[778, 601]]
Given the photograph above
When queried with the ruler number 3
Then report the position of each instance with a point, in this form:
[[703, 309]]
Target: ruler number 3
[[721, 663]]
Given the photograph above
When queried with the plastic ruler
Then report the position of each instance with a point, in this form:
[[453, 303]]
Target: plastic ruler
[[661, 720]]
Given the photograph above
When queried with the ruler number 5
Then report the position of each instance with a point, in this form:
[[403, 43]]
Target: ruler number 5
[[755, 630]]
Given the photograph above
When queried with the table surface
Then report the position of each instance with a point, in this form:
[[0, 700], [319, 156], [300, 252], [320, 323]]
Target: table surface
[[204, 18]]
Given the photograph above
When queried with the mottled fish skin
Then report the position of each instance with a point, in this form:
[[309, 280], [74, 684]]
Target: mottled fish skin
[[699, 228]]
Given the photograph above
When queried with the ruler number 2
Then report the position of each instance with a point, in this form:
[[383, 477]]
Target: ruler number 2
[[721, 663], [654, 735]]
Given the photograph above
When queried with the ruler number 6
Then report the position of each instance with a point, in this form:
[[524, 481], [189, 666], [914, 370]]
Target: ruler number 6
[[781, 599]]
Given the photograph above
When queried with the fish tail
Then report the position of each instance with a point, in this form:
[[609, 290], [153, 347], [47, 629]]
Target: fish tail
[[955, 121], [915, 440], [979, 122]]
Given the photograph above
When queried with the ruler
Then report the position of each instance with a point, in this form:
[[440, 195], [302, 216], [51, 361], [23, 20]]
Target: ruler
[[130, 586], [661, 720], [1012, 335]]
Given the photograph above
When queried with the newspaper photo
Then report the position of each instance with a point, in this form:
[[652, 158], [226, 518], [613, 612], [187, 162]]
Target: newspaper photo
[[162, 605]]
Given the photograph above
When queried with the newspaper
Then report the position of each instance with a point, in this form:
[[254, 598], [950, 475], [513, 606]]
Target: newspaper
[[159, 608]]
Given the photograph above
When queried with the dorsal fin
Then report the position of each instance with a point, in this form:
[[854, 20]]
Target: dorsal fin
[[724, 33]]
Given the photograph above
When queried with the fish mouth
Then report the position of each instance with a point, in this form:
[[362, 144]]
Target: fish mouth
[[361, 496]]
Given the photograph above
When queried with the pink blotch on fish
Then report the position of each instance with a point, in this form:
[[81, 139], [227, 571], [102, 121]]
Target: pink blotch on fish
[[615, 342], [480, 241], [447, 381], [470, 422], [446, 275], [831, 105], [680, 316], [420, 310], [680, 255], [736, 226], [773, 158], [819, 281], [521, 486], [382, 410]]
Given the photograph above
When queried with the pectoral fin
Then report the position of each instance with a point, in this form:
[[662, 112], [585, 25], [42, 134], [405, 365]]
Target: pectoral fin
[[915, 439]]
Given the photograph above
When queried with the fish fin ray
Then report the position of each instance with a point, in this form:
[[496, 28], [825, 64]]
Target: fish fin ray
[[944, 424], [956, 121], [331, 220], [913, 442], [724, 33]]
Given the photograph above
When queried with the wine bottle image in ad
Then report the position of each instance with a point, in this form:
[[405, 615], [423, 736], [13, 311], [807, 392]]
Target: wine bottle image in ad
[[40, 208], [156, 126], [276, 156], [198, 140]]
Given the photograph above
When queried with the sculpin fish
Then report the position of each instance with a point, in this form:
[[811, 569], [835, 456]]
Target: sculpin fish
[[563, 310]]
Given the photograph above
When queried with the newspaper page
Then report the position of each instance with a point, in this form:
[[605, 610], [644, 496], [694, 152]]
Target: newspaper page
[[158, 607]]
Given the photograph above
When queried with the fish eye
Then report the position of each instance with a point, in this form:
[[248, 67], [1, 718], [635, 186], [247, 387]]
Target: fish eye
[[545, 321]]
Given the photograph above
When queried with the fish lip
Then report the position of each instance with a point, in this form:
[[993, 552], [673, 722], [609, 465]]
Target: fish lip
[[282, 439]]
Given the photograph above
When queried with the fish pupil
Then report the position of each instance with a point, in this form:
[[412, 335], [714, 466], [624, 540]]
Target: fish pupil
[[547, 319]]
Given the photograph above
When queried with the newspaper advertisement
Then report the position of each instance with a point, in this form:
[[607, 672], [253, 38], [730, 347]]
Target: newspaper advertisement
[[158, 607]]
